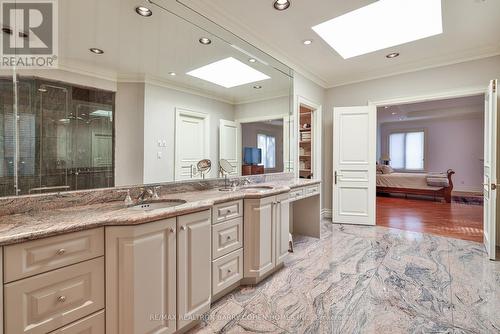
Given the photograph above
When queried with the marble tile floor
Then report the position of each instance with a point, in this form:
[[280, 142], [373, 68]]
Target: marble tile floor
[[369, 280]]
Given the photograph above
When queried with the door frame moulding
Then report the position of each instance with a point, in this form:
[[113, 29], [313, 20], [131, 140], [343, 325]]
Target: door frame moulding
[[317, 143], [439, 95], [179, 111]]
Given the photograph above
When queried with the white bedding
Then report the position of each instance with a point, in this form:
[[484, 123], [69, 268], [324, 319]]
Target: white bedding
[[404, 180]]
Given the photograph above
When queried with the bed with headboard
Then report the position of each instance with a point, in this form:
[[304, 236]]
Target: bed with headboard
[[437, 185]]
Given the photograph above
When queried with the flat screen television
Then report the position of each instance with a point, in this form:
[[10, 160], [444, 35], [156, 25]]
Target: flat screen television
[[252, 155]]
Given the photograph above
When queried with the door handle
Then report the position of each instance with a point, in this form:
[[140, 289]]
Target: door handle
[[494, 186]]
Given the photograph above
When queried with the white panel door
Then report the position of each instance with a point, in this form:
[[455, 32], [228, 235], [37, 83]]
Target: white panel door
[[354, 154], [191, 142], [490, 168], [230, 144]]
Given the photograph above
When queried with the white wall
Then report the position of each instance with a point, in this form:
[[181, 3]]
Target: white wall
[[474, 74], [129, 134], [159, 124], [263, 109], [455, 143]]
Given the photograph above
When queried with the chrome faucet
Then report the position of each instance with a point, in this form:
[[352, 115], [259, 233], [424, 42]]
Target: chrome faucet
[[146, 192], [245, 182]]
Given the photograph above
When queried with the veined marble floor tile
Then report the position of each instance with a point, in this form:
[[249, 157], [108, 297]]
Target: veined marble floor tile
[[369, 280], [475, 288]]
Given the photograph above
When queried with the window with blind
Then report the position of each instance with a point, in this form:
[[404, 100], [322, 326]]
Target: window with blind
[[267, 144], [406, 150]]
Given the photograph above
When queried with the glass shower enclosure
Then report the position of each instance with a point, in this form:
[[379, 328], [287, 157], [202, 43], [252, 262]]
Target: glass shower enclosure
[[62, 139]]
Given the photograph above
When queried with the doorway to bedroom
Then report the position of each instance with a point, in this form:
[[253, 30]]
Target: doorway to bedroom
[[430, 167]]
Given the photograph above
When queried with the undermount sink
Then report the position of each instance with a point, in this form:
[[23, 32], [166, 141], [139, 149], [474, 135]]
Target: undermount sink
[[159, 204]]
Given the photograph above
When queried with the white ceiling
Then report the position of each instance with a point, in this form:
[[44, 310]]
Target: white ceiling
[[471, 31], [137, 48], [470, 106]]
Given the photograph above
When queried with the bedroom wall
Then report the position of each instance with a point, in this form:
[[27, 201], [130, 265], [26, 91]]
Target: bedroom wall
[[471, 74], [455, 143]]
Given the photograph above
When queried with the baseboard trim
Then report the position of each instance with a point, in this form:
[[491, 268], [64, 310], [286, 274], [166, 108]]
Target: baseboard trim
[[326, 213]]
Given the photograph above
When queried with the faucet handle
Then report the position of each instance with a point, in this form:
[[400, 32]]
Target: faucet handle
[[156, 191]]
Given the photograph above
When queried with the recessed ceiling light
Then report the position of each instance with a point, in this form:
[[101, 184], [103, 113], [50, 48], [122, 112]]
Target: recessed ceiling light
[[228, 72], [394, 113], [173, 74], [205, 41], [307, 42], [143, 11], [96, 51], [252, 60], [380, 25], [392, 55], [281, 4], [42, 90], [257, 86], [7, 30]]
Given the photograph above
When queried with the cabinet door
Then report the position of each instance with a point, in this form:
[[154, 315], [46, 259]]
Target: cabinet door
[[193, 266], [140, 278], [258, 237], [282, 227]]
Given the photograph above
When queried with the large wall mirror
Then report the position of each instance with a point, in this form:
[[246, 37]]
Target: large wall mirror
[[142, 97]]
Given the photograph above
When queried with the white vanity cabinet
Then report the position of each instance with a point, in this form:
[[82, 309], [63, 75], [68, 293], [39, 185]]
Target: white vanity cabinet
[[141, 278], [266, 232], [194, 285], [158, 274]]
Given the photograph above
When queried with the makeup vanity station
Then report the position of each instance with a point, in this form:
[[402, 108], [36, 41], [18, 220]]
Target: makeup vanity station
[[305, 211]]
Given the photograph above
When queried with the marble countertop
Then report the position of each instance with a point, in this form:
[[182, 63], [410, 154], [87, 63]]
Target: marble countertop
[[28, 226]]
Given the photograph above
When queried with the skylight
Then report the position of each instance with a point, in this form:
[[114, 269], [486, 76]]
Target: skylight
[[228, 73], [380, 25]]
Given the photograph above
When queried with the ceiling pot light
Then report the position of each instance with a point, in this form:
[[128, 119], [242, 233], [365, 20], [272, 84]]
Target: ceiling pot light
[[252, 60], [390, 22], [7, 30], [205, 41], [143, 11], [392, 55], [42, 90], [97, 51], [257, 86], [281, 4], [173, 74], [307, 42]]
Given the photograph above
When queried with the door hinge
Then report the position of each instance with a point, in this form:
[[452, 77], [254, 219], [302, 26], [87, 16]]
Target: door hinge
[[494, 86], [335, 177]]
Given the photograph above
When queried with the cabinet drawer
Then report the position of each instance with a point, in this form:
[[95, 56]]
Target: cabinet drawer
[[227, 211], [296, 193], [38, 256], [45, 302], [227, 270], [93, 324], [312, 190], [227, 237]]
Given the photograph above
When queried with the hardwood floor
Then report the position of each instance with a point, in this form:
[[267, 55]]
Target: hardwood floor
[[453, 220]]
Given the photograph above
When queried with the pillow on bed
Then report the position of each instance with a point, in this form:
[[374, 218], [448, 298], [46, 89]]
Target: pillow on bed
[[386, 169]]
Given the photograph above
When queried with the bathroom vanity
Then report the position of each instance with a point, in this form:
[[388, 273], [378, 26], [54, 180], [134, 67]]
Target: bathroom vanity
[[103, 268]]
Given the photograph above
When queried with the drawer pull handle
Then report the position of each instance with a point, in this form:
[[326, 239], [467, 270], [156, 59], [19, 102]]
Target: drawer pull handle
[[228, 211], [229, 270], [61, 299], [228, 237], [61, 251], [172, 230], [183, 227]]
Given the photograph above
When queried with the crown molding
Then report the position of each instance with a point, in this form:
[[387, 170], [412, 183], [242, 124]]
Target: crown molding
[[224, 20], [487, 53]]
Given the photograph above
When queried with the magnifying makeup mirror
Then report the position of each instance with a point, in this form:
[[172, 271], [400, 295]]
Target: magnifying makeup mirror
[[204, 166], [225, 169]]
